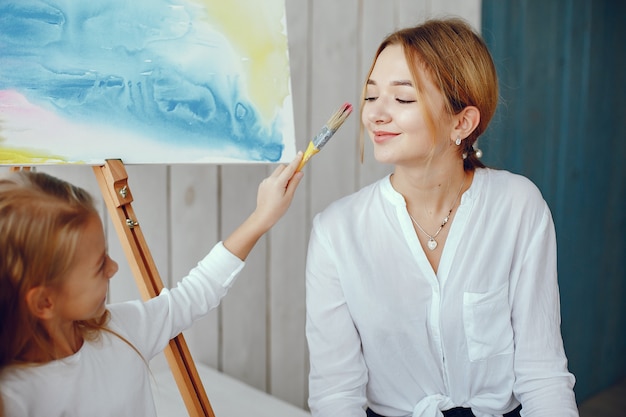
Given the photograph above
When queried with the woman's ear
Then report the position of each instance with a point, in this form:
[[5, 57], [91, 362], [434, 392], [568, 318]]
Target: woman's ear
[[39, 302], [466, 122]]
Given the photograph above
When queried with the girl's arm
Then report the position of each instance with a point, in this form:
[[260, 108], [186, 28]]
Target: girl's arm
[[202, 289], [273, 199]]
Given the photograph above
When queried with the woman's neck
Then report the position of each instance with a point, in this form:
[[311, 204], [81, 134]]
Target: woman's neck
[[430, 191]]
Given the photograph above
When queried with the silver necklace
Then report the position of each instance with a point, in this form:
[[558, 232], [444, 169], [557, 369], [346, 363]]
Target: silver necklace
[[432, 242]]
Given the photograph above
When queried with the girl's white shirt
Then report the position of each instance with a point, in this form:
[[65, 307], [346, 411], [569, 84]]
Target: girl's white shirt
[[107, 377], [385, 331]]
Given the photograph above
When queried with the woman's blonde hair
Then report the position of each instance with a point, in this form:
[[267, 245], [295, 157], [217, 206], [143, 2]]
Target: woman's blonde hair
[[458, 62], [41, 221]]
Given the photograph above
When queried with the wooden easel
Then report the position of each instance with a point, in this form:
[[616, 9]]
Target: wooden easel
[[113, 181]]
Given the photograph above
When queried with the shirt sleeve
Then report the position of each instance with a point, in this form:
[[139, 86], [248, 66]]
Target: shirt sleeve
[[150, 325], [338, 374], [543, 383]]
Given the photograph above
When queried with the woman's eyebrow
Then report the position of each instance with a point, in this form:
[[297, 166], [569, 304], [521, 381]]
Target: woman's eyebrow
[[406, 83]]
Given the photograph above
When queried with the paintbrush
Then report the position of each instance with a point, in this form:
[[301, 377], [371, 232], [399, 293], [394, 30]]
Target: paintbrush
[[329, 129]]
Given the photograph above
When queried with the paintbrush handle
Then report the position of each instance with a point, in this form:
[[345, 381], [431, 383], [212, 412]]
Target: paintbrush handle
[[310, 151]]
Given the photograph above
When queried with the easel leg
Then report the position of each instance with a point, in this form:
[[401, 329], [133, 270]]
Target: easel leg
[[113, 181]]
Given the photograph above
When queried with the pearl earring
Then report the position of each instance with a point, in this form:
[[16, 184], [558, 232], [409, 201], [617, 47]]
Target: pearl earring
[[458, 141]]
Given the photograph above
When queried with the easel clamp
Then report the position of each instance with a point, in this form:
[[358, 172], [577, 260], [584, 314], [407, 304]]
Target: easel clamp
[[120, 192]]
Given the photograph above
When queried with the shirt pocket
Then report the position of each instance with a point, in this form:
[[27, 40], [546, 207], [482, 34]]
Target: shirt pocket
[[487, 322]]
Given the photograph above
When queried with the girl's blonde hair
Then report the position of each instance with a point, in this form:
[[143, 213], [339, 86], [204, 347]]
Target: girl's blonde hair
[[41, 221], [458, 62]]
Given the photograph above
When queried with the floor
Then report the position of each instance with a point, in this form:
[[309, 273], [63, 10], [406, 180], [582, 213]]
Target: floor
[[609, 403], [227, 396]]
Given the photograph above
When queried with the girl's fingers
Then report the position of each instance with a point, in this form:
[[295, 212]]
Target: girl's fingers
[[285, 172], [290, 169], [278, 170], [293, 183]]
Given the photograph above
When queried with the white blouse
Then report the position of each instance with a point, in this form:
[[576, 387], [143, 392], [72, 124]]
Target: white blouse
[[385, 331]]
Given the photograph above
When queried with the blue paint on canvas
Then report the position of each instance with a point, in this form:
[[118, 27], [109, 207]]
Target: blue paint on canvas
[[156, 68]]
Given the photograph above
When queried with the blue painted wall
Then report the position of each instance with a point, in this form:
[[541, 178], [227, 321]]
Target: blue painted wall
[[561, 122]]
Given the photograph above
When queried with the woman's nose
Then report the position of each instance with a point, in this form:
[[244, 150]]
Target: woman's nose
[[377, 112]]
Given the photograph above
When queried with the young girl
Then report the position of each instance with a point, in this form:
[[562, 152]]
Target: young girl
[[433, 292], [64, 352]]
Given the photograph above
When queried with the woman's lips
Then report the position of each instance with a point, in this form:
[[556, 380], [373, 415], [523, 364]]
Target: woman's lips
[[381, 136]]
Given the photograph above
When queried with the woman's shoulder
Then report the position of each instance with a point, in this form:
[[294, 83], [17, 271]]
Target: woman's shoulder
[[503, 182], [504, 190]]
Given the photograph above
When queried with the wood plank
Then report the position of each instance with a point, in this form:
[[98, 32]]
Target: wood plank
[[287, 356], [334, 77], [470, 10], [411, 13], [244, 315], [194, 230]]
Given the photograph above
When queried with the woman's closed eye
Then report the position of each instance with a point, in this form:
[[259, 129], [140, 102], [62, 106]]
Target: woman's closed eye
[[399, 100]]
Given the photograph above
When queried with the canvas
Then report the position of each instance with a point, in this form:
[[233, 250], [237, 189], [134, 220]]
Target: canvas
[[144, 81]]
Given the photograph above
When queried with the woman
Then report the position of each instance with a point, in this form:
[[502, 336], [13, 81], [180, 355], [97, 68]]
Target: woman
[[434, 290]]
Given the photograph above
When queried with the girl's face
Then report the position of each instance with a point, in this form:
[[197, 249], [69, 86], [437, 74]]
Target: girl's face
[[83, 293], [395, 116]]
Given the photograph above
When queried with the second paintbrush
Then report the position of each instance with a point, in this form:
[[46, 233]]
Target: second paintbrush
[[329, 129]]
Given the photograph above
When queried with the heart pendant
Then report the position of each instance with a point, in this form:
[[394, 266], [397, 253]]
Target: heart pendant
[[432, 244]]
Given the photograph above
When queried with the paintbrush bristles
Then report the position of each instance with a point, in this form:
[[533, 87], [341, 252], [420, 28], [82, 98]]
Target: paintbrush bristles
[[324, 135], [329, 129], [339, 117]]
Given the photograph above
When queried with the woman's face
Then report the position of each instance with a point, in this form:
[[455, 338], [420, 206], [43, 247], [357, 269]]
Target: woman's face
[[395, 116]]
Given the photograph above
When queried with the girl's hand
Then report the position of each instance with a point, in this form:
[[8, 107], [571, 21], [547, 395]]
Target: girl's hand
[[276, 192], [273, 199]]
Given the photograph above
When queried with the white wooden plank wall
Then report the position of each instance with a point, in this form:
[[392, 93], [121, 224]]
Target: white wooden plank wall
[[257, 334]]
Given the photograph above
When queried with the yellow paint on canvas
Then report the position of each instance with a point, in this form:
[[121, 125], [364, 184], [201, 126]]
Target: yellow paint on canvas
[[27, 157], [256, 30]]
